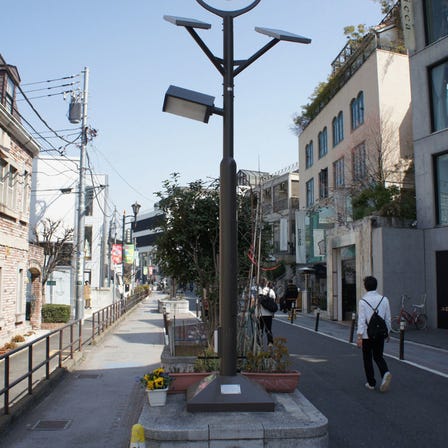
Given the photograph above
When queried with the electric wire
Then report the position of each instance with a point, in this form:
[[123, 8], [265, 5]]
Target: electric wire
[[121, 177], [50, 80], [51, 87], [39, 116]]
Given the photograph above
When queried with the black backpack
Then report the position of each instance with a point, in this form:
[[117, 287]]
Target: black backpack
[[268, 302], [376, 327]]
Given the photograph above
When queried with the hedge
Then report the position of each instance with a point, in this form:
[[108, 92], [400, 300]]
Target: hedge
[[52, 313]]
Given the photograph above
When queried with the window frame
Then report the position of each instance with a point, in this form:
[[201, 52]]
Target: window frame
[[339, 173], [357, 111], [359, 162], [435, 117], [428, 15], [323, 183], [309, 188], [338, 128], [441, 213], [309, 155], [323, 142]]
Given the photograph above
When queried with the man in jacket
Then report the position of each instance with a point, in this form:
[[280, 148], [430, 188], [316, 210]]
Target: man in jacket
[[372, 349]]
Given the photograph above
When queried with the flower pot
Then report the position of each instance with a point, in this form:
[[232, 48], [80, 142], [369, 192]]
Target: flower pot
[[183, 380], [157, 397], [275, 382]]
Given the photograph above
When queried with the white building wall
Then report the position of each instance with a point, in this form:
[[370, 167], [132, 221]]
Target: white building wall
[[384, 80], [50, 176]]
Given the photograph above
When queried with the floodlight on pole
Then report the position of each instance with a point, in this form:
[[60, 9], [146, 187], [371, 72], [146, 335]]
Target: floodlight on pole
[[228, 391]]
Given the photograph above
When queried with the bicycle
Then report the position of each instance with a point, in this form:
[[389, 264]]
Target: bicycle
[[417, 317]]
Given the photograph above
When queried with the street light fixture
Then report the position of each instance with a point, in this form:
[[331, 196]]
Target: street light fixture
[[189, 104], [228, 391], [135, 208]]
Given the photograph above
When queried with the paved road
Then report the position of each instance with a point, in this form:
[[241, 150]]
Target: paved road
[[101, 400], [412, 414]]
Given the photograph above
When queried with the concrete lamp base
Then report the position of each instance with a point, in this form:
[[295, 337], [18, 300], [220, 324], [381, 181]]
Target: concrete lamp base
[[217, 393]]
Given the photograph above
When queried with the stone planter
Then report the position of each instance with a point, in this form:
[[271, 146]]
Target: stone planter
[[182, 381], [173, 306], [275, 382], [271, 381]]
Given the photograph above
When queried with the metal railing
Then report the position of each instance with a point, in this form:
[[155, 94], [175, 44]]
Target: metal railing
[[26, 366]]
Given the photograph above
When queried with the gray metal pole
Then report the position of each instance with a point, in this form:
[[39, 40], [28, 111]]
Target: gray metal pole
[[228, 225], [80, 234]]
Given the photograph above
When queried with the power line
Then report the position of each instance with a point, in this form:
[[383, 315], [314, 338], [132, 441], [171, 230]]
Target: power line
[[39, 116], [51, 80], [52, 87], [45, 96]]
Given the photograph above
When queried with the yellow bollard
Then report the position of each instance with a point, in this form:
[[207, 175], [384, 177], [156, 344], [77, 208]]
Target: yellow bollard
[[137, 436]]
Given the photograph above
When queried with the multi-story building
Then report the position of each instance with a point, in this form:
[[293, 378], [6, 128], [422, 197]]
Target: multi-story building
[[147, 229], [55, 197], [357, 134], [427, 41], [279, 193], [20, 263]]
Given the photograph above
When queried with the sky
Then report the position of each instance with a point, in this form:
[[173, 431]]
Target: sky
[[134, 55]]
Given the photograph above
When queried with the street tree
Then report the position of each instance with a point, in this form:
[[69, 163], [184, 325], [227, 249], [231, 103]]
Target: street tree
[[188, 248], [57, 243]]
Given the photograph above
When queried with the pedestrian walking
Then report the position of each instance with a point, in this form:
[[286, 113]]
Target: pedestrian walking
[[373, 347], [87, 295], [265, 316]]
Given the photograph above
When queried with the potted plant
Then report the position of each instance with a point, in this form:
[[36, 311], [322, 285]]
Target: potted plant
[[156, 384], [206, 363], [271, 368]]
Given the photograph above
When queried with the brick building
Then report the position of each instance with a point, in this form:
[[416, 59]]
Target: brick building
[[19, 265]]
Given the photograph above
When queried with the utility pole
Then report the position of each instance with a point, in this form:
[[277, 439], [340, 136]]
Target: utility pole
[[80, 234]]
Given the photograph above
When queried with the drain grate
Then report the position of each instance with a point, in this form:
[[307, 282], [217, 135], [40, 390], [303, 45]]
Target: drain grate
[[51, 425], [88, 376]]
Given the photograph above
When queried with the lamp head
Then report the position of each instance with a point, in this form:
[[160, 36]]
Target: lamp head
[[136, 208]]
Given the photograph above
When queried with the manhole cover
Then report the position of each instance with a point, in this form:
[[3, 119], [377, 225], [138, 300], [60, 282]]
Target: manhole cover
[[90, 376], [51, 425]]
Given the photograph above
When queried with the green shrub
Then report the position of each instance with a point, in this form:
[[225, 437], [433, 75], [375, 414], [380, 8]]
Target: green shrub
[[52, 313]]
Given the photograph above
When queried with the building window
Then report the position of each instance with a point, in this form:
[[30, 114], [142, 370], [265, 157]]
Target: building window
[[323, 183], [436, 19], [359, 163], [357, 111], [25, 191], [338, 129], [9, 97], [8, 185], [439, 97], [88, 242], [323, 146], [310, 193], [441, 168], [338, 173], [19, 296], [309, 154], [3, 179]]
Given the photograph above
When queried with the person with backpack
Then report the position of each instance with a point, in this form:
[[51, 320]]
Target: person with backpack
[[265, 315], [373, 330]]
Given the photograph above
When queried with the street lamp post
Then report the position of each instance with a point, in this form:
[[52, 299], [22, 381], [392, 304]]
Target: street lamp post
[[229, 392], [135, 208]]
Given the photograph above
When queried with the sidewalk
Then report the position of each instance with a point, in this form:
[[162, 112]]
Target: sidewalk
[[97, 404], [426, 349]]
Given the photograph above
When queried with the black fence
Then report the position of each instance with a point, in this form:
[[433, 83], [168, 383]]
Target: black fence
[[23, 368]]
